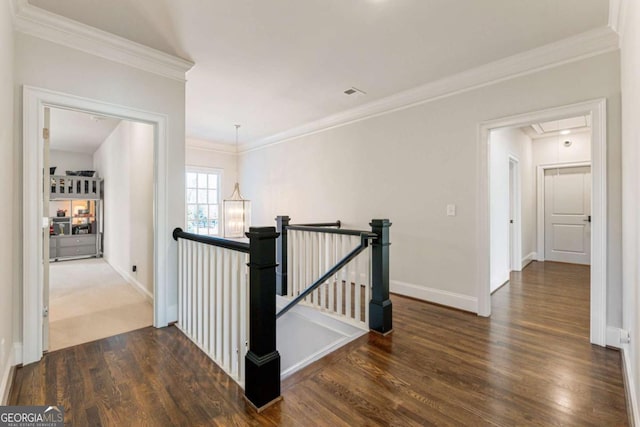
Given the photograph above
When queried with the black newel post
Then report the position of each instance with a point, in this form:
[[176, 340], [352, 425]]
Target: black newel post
[[262, 362], [380, 309], [281, 254]]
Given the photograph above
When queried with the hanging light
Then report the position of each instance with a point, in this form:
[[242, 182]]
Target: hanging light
[[237, 210]]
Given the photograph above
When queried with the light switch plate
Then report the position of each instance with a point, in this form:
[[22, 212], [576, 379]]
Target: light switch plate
[[451, 210]]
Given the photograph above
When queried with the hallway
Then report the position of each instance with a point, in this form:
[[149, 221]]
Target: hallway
[[531, 363]]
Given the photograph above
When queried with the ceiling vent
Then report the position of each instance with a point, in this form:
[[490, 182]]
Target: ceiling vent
[[354, 91]]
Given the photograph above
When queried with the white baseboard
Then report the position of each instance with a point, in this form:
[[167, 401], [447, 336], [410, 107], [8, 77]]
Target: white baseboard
[[132, 281], [613, 337], [528, 259], [438, 296], [629, 388], [172, 313], [7, 378]]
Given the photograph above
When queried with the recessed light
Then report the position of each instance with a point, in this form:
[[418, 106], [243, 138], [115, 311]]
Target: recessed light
[[565, 132]]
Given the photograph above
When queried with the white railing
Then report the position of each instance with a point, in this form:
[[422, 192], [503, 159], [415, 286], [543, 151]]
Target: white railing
[[213, 305], [347, 293], [75, 187]]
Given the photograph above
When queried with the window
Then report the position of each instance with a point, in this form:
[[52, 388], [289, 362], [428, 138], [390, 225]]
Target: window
[[203, 201]]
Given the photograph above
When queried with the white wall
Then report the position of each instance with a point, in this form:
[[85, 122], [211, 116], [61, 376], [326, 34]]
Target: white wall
[[7, 216], [125, 161], [551, 150], [74, 72], [69, 161], [197, 154], [502, 143], [630, 70], [409, 164]]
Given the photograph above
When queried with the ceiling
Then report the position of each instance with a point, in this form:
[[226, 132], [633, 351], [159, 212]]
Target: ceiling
[[558, 127], [79, 132], [275, 65]]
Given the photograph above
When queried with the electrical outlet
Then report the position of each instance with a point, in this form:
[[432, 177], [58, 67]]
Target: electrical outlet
[[134, 268]]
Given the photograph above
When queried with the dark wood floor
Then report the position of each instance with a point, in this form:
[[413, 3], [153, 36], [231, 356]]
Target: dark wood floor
[[530, 363]]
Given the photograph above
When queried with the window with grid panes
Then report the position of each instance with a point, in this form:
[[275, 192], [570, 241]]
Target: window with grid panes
[[203, 204]]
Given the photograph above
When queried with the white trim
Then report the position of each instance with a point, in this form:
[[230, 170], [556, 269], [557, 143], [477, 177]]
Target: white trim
[[49, 26], [438, 296], [132, 281], [578, 47], [558, 133], [617, 17], [630, 387], [515, 254], [215, 147], [540, 206], [614, 336], [7, 378], [34, 101], [599, 245], [528, 259]]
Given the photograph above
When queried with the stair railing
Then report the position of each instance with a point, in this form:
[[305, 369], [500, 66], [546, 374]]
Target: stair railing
[[227, 306], [344, 273]]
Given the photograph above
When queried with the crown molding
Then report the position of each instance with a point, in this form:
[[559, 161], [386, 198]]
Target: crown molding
[[581, 46], [204, 145], [617, 15], [40, 23]]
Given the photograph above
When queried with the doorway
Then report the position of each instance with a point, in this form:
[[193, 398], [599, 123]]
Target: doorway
[[595, 113], [98, 199], [35, 99]]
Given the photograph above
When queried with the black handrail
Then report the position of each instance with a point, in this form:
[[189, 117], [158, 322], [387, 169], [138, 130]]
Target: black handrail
[[319, 224], [213, 241], [364, 243], [329, 230]]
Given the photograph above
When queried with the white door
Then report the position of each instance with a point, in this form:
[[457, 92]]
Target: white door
[[45, 231], [567, 205]]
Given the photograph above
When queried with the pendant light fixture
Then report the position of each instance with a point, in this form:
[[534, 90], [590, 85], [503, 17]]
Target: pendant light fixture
[[237, 210]]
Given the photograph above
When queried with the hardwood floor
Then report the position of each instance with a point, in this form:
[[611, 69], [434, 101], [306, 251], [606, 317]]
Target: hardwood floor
[[529, 364]]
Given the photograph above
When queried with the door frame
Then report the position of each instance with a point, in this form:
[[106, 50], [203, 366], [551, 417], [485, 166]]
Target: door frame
[[515, 201], [597, 108], [34, 101], [540, 251]]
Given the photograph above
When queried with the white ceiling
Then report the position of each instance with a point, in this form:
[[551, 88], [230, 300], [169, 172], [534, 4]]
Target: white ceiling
[[558, 127], [79, 132], [275, 65]]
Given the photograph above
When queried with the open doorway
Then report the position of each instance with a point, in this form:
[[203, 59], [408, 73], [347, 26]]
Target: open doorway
[[98, 278], [540, 204], [34, 224]]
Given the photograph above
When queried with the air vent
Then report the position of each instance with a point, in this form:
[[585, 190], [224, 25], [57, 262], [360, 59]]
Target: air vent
[[354, 91]]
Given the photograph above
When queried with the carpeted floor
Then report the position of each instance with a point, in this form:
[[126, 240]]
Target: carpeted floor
[[89, 300]]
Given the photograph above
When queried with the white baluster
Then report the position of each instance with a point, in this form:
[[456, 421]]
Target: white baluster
[[219, 302], [213, 301], [199, 286], [206, 280], [331, 262], [356, 285], [180, 280]]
